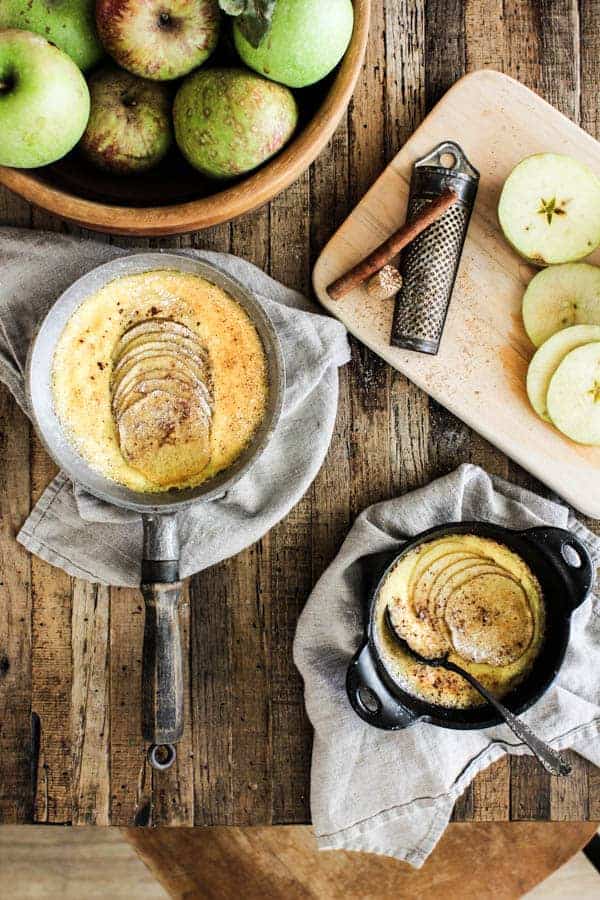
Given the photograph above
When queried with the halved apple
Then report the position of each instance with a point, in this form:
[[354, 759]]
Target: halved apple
[[549, 209]]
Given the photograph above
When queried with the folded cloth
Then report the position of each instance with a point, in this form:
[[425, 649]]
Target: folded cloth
[[99, 542], [393, 792]]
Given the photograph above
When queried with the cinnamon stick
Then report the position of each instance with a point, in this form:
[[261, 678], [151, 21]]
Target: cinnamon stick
[[396, 242]]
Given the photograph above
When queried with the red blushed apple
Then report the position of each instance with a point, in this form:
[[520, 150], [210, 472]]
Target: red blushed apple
[[158, 39], [129, 129]]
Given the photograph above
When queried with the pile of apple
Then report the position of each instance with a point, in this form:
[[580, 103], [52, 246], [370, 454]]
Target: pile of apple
[[549, 211], [123, 79]]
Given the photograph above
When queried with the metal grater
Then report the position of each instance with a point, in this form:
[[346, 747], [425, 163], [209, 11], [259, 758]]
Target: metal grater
[[429, 264]]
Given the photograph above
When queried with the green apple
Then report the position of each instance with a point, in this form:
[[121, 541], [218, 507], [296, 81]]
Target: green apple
[[44, 101], [67, 23], [129, 129], [228, 121], [159, 39], [306, 40]]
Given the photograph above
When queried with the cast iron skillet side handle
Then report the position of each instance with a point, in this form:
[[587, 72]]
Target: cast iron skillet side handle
[[162, 674], [369, 697], [573, 556]]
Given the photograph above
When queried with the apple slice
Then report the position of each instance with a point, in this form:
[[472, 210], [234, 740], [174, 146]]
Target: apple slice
[[420, 594], [489, 619], [162, 371], [549, 209], [548, 358], [574, 395], [165, 437], [171, 386], [172, 355], [454, 582], [561, 296]]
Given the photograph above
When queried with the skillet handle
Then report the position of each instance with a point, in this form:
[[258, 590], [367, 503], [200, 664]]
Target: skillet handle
[[162, 672], [370, 698], [571, 556]]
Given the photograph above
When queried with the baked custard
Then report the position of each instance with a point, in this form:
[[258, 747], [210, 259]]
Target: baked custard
[[160, 380], [467, 597]]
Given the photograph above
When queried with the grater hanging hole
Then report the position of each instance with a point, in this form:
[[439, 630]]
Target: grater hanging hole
[[448, 160]]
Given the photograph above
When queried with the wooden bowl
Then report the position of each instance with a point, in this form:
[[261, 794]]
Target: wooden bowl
[[180, 198]]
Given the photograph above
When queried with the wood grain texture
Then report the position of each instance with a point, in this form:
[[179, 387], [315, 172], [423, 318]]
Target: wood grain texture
[[280, 863], [471, 861], [37, 862], [74, 651], [89, 696], [17, 750]]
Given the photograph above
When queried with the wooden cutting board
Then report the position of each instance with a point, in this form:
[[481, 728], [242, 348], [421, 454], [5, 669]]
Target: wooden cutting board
[[479, 372]]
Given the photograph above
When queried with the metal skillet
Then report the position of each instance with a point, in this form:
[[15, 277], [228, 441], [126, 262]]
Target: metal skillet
[[162, 680]]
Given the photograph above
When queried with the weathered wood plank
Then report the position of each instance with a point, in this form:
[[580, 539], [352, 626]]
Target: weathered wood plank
[[248, 576], [212, 695], [252, 763], [589, 36], [329, 201], [90, 723], [52, 668], [13, 210], [289, 549], [130, 773], [217, 238], [16, 748]]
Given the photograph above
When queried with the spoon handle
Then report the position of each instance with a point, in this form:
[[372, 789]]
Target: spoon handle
[[551, 760]]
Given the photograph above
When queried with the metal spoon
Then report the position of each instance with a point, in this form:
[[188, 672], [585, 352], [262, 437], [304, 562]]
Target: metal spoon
[[551, 760]]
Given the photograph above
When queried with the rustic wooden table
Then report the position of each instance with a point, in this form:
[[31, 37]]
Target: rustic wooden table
[[70, 748]]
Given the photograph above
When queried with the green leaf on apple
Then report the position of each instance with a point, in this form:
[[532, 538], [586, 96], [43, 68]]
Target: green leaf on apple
[[254, 17]]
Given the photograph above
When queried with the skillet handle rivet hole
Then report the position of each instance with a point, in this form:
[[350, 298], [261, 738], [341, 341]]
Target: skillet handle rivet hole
[[571, 556], [367, 700], [162, 756]]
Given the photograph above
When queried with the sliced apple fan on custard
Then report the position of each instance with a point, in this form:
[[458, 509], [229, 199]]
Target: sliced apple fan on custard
[[162, 401]]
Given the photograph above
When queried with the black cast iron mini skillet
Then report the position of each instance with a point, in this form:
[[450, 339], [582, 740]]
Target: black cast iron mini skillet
[[564, 569]]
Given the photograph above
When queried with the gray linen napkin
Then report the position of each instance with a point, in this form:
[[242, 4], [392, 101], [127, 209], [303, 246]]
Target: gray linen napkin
[[393, 792], [99, 542]]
